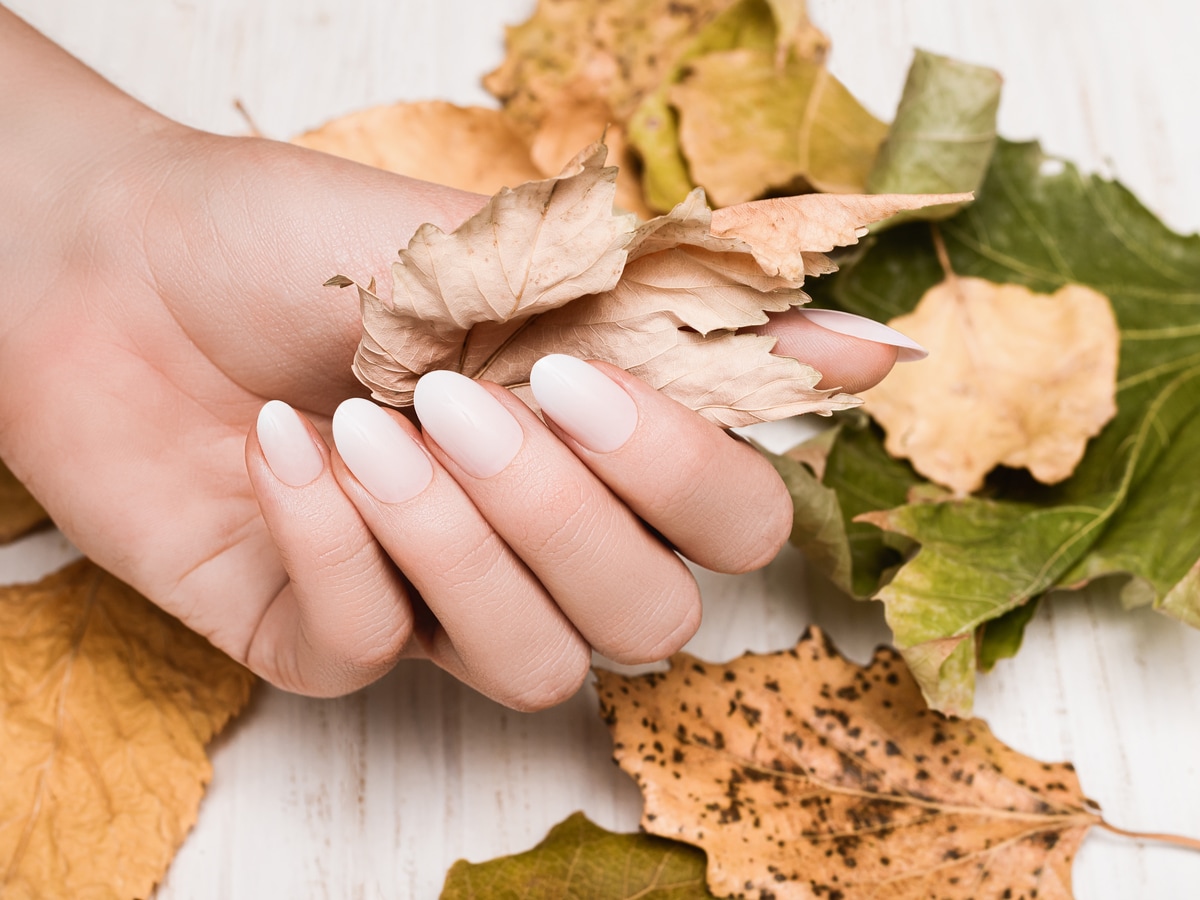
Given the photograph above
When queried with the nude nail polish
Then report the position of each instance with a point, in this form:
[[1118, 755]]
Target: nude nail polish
[[584, 402], [379, 452], [867, 329], [467, 422], [287, 445]]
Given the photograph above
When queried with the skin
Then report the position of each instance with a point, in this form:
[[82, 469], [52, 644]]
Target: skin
[[160, 284]]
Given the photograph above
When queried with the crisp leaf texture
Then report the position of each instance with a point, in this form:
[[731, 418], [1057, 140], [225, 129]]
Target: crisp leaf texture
[[1013, 378], [580, 859], [19, 512], [803, 775], [106, 705], [1133, 504], [548, 267], [943, 135], [471, 148]]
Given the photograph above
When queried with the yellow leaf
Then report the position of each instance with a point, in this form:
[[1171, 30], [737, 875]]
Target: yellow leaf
[[1013, 378], [19, 512], [470, 148], [106, 705], [806, 777]]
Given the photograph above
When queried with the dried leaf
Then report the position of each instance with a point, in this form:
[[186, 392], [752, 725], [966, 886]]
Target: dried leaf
[[106, 704], [547, 267], [19, 512], [614, 52], [803, 775], [470, 148], [1131, 506], [944, 133], [579, 859], [1014, 378]]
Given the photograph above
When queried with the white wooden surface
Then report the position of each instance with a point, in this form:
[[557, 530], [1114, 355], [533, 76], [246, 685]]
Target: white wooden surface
[[376, 794]]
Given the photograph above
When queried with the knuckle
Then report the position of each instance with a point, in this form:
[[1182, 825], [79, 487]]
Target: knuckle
[[768, 527], [672, 625], [558, 678]]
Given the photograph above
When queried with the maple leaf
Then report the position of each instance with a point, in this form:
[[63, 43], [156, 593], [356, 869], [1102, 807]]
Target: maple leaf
[[19, 512], [1014, 378], [803, 775], [106, 704], [944, 133], [548, 267], [580, 859], [1130, 508], [470, 148]]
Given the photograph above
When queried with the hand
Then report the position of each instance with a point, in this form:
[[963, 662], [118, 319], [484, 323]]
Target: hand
[[182, 291]]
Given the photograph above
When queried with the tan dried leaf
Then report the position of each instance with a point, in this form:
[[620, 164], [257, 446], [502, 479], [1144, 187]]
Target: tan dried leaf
[[1013, 378], [803, 775], [548, 267], [470, 148], [19, 512], [106, 705]]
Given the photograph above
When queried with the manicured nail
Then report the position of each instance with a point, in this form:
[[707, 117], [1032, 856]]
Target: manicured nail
[[584, 402], [287, 444], [384, 459], [468, 422], [868, 330]]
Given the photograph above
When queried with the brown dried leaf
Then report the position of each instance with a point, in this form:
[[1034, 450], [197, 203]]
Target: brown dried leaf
[[803, 775], [548, 267], [470, 148], [106, 704], [1013, 378], [19, 512]]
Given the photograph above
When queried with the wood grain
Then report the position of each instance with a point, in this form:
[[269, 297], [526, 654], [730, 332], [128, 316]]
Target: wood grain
[[376, 794]]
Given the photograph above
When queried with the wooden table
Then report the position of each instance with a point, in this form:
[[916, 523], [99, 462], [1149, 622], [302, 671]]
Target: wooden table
[[374, 795]]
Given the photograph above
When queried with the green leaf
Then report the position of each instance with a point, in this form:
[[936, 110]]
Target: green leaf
[[578, 859], [1001, 638], [1133, 504], [943, 135]]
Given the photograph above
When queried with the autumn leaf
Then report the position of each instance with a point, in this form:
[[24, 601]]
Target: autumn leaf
[[749, 110], [470, 148], [944, 133], [106, 705], [548, 267], [580, 859], [19, 512], [803, 775], [1013, 378], [1130, 509]]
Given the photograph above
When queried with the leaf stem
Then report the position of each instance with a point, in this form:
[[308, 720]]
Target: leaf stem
[[1176, 840], [939, 247]]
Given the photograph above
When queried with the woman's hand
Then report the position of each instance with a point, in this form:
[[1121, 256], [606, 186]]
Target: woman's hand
[[160, 285]]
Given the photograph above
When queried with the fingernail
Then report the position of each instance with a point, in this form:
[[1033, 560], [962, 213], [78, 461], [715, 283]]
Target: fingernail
[[868, 330], [585, 402], [468, 422], [287, 444], [384, 459]]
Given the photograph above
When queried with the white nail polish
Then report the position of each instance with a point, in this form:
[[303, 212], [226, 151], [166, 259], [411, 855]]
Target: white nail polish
[[288, 447], [467, 422], [584, 402], [384, 459], [867, 329]]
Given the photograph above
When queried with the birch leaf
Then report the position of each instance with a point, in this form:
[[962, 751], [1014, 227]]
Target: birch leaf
[[548, 267], [19, 512], [579, 859], [106, 705], [470, 148], [802, 775], [1014, 378]]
